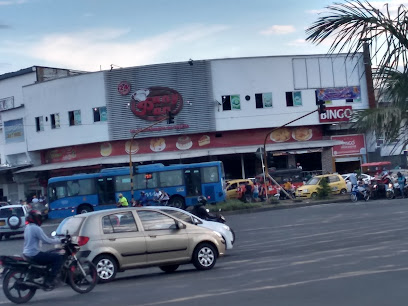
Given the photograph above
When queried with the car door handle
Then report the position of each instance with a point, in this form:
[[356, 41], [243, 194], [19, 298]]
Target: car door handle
[[112, 239], [152, 236]]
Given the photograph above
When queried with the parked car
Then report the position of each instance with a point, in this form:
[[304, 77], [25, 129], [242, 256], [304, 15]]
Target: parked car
[[335, 181], [232, 187], [12, 220], [225, 231], [366, 179], [127, 238]]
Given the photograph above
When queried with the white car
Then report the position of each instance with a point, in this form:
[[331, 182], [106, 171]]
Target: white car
[[366, 179], [226, 232], [12, 220]]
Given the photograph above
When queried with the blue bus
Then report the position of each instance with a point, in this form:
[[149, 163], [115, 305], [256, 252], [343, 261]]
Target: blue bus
[[80, 193]]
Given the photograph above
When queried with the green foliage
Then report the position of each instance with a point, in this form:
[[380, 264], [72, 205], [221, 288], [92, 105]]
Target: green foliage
[[233, 205], [324, 190]]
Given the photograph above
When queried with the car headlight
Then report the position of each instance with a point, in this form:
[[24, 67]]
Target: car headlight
[[218, 234], [226, 227], [305, 190]]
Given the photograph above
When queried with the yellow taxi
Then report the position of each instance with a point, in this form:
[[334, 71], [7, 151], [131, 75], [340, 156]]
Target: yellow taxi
[[232, 187], [335, 181]]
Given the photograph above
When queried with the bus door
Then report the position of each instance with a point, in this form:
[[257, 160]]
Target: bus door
[[192, 179], [106, 190]]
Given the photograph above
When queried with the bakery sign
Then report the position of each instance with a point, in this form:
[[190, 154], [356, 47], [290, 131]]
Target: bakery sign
[[351, 145], [154, 103], [336, 114]]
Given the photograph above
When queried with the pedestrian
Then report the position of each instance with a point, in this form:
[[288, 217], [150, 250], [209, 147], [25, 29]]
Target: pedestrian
[[256, 191], [34, 200], [262, 192], [299, 166], [248, 192], [123, 202], [401, 183], [353, 180], [157, 196]]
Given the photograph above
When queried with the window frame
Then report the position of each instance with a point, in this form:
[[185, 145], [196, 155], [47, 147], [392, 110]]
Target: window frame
[[74, 117], [115, 231], [53, 121], [97, 111], [39, 123], [146, 229]]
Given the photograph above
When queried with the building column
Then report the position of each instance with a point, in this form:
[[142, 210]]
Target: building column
[[327, 161], [242, 166]]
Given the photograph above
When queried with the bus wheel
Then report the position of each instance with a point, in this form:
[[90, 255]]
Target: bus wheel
[[177, 202], [83, 209]]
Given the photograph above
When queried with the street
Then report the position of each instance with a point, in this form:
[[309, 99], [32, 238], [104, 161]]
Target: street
[[333, 254]]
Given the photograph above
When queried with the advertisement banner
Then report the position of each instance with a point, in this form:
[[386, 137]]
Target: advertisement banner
[[352, 145], [336, 114], [339, 93], [14, 131], [267, 99], [297, 98], [235, 102]]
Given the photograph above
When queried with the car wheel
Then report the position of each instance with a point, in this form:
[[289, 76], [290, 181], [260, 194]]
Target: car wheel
[[106, 267], [343, 191], [204, 256], [314, 195], [177, 202], [83, 209], [169, 269]]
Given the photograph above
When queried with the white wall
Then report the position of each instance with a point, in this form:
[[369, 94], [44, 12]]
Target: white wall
[[82, 92], [248, 76]]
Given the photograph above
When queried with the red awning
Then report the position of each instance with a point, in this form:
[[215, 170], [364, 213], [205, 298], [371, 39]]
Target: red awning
[[386, 163]]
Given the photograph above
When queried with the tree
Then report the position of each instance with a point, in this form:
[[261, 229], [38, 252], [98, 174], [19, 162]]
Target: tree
[[323, 190], [354, 23]]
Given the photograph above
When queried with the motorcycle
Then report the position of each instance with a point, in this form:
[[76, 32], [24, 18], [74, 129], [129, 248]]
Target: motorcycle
[[22, 277], [393, 190], [357, 195]]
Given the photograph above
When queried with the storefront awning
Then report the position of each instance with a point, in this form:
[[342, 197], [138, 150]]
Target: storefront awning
[[301, 145], [377, 164]]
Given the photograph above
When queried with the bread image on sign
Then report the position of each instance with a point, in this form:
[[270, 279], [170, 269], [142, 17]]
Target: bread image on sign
[[280, 135], [106, 149], [204, 140], [135, 147], [157, 144], [184, 143], [302, 133]]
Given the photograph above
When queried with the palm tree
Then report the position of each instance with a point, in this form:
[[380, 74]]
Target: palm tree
[[351, 25]]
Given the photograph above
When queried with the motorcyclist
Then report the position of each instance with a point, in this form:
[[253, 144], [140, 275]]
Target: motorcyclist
[[33, 236], [199, 209]]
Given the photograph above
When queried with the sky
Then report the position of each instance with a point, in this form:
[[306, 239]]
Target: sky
[[92, 35]]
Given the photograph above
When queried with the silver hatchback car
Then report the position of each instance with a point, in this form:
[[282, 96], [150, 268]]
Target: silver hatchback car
[[116, 240]]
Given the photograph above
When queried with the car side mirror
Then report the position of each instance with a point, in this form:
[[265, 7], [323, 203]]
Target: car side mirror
[[180, 225], [196, 221]]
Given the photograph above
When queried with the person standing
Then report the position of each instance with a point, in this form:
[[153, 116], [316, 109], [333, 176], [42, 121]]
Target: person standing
[[353, 180], [401, 182], [256, 191], [34, 200]]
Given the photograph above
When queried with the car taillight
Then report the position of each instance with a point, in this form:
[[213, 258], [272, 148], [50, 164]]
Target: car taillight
[[82, 240]]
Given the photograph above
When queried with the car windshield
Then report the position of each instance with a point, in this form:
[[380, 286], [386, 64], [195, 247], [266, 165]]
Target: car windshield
[[7, 212], [313, 181], [70, 225]]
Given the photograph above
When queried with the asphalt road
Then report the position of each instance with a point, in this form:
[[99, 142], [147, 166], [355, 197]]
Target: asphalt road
[[333, 254]]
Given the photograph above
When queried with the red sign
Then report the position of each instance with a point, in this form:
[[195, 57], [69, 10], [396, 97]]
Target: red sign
[[176, 143], [124, 88], [154, 103], [352, 145], [337, 114]]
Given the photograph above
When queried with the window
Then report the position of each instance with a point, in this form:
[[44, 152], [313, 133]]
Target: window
[[141, 182], [179, 215], [294, 98], [119, 223], [233, 186], [122, 183], [232, 102], [333, 179], [55, 121], [153, 220], [74, 117], [6, 212], [80, 187], [57, 191], [263, 100], [171, 178], [209, 174], [99, 114], [39, 123], [72, 225]]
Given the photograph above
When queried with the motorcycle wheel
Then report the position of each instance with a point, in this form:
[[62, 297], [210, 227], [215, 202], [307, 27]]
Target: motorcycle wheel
[[78, 281], [13, 288], [389, 195], [366, 197], [233, 236], [353, 197]]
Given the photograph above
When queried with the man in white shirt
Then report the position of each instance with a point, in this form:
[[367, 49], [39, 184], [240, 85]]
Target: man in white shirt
[[157, 196]]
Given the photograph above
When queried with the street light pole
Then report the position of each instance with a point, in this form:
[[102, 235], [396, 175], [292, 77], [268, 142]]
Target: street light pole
[[130, 156], [265, 154]]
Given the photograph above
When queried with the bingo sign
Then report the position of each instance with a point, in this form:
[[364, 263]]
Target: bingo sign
[[336, 114], [352, 145], [124, 88]]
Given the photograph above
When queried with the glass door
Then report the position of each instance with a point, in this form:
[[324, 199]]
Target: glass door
[[106, 190], [192, 179]]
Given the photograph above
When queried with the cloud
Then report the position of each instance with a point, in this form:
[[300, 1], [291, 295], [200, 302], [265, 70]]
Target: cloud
[[278, 30], [11, 2], [88, 50]]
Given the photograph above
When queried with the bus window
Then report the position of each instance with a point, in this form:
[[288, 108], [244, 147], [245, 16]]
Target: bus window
[[142, 183], [122, 183], [171, 178], [57, 191], [209, 174]]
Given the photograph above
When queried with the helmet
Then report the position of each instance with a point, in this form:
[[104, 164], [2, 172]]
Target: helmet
[[34, 216]]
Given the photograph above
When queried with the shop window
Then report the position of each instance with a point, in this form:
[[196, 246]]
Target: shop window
[[74, 117], [294, 98], [232, 102], [263, 100], [55, 121], [39, 123], [99, 114]]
